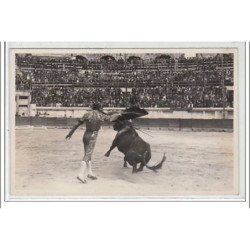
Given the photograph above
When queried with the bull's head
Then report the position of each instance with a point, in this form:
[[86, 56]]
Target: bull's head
[[119, 125]]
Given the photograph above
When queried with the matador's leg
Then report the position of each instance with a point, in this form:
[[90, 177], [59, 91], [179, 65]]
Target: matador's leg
[[91, 175], [83, 172]]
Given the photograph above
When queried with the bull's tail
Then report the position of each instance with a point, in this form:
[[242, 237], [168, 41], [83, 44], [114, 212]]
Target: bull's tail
[[157, 166]]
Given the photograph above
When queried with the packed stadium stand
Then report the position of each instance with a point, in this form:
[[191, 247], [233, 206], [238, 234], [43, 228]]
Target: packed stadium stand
[[162, 81]]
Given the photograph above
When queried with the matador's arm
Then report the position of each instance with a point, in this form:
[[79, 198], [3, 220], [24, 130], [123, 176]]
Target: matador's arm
[[80, 122]]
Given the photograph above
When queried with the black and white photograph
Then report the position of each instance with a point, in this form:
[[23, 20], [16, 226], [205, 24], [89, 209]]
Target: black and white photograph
[[124, 123]]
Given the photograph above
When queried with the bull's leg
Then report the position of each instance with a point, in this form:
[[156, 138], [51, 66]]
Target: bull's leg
[[134, 168], [114, 144], [141, 167], [125, 163]]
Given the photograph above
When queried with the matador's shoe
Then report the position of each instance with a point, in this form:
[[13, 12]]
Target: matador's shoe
[[92, 177], [82, 181]]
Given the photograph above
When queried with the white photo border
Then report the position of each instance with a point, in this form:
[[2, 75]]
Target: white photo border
[[241, 46]]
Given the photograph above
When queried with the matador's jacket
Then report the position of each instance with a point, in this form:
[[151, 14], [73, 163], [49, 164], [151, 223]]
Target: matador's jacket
[[93, 120]]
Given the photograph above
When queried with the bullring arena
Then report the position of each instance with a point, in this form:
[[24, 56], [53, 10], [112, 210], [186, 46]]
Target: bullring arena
[[198, 163], [191, 123]]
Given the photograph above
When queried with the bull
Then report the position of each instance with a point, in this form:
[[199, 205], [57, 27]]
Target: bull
[[134, 148]]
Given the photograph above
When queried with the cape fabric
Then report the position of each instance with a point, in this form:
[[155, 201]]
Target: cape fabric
[[130, 113]]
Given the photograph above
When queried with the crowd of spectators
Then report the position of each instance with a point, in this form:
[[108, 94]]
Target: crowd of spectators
[[38, 70], [178, 96], [135, 78], [175, 83], [77, 97], [22, 83], [156, 97]]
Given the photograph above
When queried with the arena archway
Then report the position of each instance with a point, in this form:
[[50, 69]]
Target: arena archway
[[134, 60], [107, 58], [81, 59], [163, 58]]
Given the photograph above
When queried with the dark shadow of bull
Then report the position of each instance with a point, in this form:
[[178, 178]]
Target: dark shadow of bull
[[134, 148]]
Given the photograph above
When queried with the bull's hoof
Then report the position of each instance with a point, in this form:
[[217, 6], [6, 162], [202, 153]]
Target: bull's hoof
[[134, 171], [107, 154]]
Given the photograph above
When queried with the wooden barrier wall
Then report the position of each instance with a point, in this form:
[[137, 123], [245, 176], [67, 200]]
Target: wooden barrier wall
[[160, 123]]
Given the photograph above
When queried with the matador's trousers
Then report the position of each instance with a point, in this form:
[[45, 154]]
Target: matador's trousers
[[89, 140]]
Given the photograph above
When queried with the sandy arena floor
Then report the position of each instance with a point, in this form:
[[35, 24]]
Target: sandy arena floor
[[197, 163]]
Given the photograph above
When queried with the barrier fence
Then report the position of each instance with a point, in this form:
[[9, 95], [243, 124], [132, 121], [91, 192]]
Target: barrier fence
[[158, 123]]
